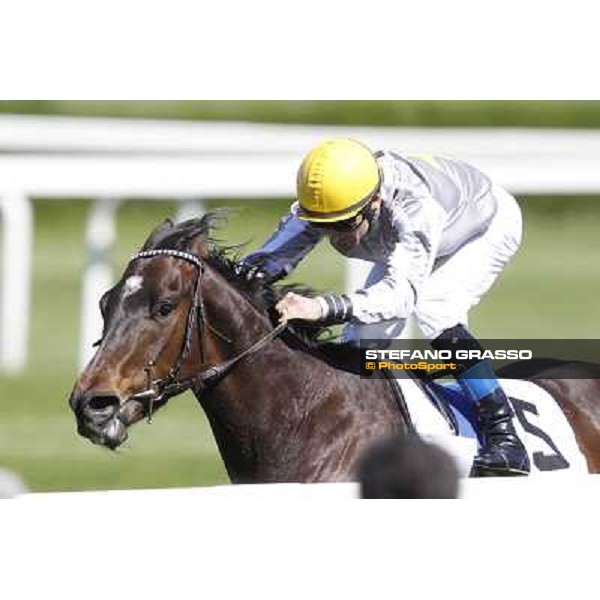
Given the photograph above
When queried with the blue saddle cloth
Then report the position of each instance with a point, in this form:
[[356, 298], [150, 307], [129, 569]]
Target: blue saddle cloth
[[451, 394]]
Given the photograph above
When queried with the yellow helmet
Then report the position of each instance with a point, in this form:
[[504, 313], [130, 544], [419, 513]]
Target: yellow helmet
[[336, 180]]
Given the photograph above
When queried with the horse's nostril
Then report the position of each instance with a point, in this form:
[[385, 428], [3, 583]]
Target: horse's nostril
[[102, 403]]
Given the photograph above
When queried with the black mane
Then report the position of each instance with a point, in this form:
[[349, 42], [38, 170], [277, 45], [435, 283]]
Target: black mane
[[225, 260]]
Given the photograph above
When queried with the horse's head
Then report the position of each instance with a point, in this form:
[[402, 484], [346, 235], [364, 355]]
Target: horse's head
[[150, 343]]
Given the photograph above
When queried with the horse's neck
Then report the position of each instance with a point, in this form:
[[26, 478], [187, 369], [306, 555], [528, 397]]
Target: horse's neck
[[234, 323], [236, 326], [258, 400], [283, 414]]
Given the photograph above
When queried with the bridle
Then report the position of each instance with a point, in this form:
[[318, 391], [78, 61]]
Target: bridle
[[160, 390]]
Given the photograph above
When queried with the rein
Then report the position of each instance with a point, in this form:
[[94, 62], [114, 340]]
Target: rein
[[159, 390]]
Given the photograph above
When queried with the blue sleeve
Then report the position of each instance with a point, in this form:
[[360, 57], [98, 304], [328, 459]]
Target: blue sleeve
[[282, 252]]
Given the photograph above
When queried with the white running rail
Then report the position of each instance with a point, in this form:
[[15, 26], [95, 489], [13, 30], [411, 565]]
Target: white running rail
[[553, 486], [112, 159]]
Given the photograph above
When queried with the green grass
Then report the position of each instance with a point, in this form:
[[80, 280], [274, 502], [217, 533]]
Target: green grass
[[550, 290], [463, 113]]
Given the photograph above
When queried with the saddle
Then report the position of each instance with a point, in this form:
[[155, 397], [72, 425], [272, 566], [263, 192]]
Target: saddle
[[444, 398], [441, 412]]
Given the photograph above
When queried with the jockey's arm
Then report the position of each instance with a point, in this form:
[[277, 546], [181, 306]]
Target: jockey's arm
[[282, 252], [418, 222]]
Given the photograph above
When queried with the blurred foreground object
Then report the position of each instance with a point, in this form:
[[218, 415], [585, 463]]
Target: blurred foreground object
[[11, 485], [404, 466]]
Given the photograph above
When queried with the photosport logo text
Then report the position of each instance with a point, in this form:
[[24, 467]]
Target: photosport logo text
[[439, 362]]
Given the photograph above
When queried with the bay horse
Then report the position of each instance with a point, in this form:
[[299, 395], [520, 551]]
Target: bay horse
[[283, 406]]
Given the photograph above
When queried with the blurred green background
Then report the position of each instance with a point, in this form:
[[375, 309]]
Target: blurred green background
[[550, 289]]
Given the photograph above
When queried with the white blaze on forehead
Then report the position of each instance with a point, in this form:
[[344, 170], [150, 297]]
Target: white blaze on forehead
[[133, 284]]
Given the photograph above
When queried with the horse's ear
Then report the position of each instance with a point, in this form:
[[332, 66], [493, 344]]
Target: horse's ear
[[157, 234], [197, 240], [198, 231]]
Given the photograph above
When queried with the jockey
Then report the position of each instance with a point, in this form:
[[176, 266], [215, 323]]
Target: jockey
[[438, 233]]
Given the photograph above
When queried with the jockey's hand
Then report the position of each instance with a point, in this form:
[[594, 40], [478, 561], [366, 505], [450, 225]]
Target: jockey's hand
[[255, 272], [294, 306]]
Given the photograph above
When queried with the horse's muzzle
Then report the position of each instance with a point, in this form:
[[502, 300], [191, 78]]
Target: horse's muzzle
[[97, 418]]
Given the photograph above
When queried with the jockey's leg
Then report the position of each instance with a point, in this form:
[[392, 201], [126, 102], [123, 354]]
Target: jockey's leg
[[502, 452], [444, 302]]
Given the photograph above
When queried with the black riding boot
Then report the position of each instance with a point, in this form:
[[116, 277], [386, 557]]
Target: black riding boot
[[503, 453]]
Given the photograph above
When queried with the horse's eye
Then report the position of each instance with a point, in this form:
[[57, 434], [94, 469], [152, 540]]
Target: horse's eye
[[165, 307]]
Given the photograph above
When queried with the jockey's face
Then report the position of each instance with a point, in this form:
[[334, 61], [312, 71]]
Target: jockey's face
[[346, 241]]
